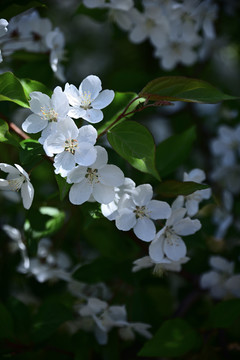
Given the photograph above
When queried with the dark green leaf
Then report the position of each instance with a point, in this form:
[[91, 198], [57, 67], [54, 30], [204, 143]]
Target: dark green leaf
[[99, 15], [5, 135], [174, 338], [173, 188], [173, 151], [135, 144], [6, 323], [33, 85], [44, 222], [31, 152], [11, 90], [63, 186], [180, 88], [120, 102], [224, 314], [50, 316]]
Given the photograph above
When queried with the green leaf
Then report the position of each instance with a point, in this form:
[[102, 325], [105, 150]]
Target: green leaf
[[63, 186], [180, 88], [173, 151], [33, 85], [6, 323], [99, 15], [43, 222], [50, 316], [117, 106], [31, 152], [5, 135], [173, 339], [11, 90], [224, 314], [135, 144], [173, 188]]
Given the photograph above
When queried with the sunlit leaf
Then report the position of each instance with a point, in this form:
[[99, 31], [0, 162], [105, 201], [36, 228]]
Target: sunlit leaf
[[5, 135], [135, 144], [180, 88], [11, 90]]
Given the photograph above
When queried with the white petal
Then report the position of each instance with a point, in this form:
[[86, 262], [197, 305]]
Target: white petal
[[60, 102], [72, 94], [187, 226], [142, 194], [110, 210], [86, 154], [76, 113], [64, 161], [158, 209], [174, 247], [176, 216], [27, 193], [77, 174], [209, 279], [3, 183], [22, 171], [103, 194], [156, 250], [126, 220], [145, 229], [79, 193], [192, 207], [39, 101], [102, 157], [103, 99], [33, 124], [88, 134], [91, 84], [9, 169], [93, 116], [111, 175]]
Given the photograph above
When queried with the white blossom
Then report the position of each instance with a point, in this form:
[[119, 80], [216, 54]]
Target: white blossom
[[138, 210], [46, 112], [168, 242], [97, 180], [55, 41], [17, 179], [72, 145], [159, 268], [87, 101], [220, 281], [3, 27]]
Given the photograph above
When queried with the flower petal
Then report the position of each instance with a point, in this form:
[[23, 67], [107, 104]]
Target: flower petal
[[158, 209], [126, 220], [87, 133], [103, 99], [86, 154], [156, 250], [103, 194], [187, 226], [93, 116], [145, 229], [27, 193], [174, 247], [33, 124], [111, 175], [79, 193], [90, 85], [142, 194]]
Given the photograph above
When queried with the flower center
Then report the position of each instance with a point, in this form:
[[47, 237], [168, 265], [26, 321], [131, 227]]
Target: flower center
[[140, 212], [71, 145], [86, 100], [92, 175], [49, 114], [15, 184]]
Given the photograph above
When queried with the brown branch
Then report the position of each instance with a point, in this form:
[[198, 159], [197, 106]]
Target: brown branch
[[18, 131]]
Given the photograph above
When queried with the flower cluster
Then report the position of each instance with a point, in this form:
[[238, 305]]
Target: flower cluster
[[30, 32], [92, 313], [177, 29], [3, 31]]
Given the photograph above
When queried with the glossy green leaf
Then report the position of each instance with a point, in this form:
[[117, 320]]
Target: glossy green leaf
[[224, 314], [173, 188], [30, 153], [43, 222], [6, 323], [5, 135], [174, 338], [119, 103], [50, 316], [135, 144], [173, 151], [33, 85], [180, 88], [11, 90], [63, 186]]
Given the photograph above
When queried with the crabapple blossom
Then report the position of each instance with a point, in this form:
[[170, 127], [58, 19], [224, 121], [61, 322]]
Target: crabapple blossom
[[110, 211], [46, 112], [137, 210], [166, 264], [191, 202], [221, 281], [3, 26], [87, 101], [55, 42], [17, 179], [72, 145], [168, 242], [98, 180]]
